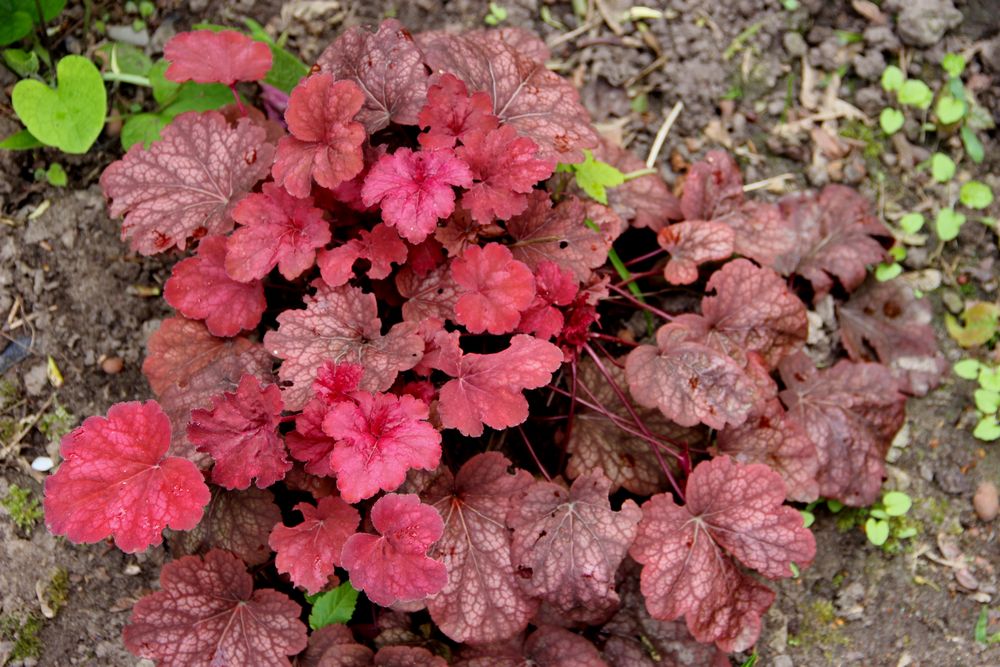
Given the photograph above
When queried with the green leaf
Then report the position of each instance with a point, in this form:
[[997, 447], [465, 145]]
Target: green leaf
[[808, 518], [56, 175], [987, 401], [978, 327], [892, 78], [879, 514], [70, 117], [890, 120], [987, 429], [898, 252], [967, 369], [163, 88], [14, 25], [877, 531], [942, 167], [896, 503], [21, 62], [752, 660], [911, 223], [834, 505], [126, 59], [953, 64], [142, 128], [286, 70], [948, 223], [915, 93], [50, 9], [905, 533], [973, 147], [975, 194], [20, 141], [593, 176], [336, 606], [989, 378], [884, 272], [198, 97], [949, 110]]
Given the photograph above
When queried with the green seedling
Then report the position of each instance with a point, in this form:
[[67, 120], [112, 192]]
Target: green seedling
[[948, 223], [56, 175], [332, 607], [885, 523], [987, 397], [975, 194], [888, 271], [980, 632], [911, 223], [915, 93], [891, 120], [942, 168], [25, 511], [594, 176], [892, 78], [496, 16], [18, 18]]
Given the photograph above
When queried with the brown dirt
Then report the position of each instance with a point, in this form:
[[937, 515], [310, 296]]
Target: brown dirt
[[78, 298]]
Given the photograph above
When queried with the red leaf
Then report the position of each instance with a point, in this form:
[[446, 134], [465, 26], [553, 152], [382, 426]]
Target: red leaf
[[691, 244], [394, 567], [277, 230], [451, 113], [407, 656], [241, 434], [486, 388], [309, 551], [764, 234], [326, 143], [431, 296], [482, 602], [851, 412], [599, 444], [336, 382], [308, 443], [886, 318], [752, 311], [200, 288], [509, 65], [646, 201], [340, 324], [836, 230], [555, 286], [773, 438], [505, 169], [543, 233], [548, 646], [216, 57], [208, 614], [713, 187], [237, 521], [689, 381], [116, 481], [730, 508], [388, 67], [334, 646], [379, 438], [415, 189], [567, 546], [186, 183], [381, 246], [494, 288]]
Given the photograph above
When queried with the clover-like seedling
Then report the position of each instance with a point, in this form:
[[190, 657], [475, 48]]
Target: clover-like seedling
[[987, 395], [883, 519], [496, 16]]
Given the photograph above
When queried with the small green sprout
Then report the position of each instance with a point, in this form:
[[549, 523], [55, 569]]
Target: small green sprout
[[987, 395], [25, 511], [496, 16], [975, 194], [953, 64], [911, 223], [942, 168], [891, 120], [947, 223], [982, 625], [885, 519], [892, 78], [336, 606], [949, 110], [915, 93]]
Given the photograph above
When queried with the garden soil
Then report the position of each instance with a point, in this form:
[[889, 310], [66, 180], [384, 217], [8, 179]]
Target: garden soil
[[70, 291]]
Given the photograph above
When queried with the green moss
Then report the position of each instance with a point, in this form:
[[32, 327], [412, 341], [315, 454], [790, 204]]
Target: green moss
[[25, 511], [24, 634], [9, 394], [819, 625], [8, 429], [858, 131], [57, 592], [56, 423]]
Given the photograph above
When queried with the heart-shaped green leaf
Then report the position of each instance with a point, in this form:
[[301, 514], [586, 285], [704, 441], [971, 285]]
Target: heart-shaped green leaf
[[989, 378], [949, 110], [911, 223], [953, 64], [915, 93], [14, 25], [884, 272], [948, 223], [892, 78], [942, 167], [967, 369], [70, 117], [987, 402], [976, 194], [896, 503], [987, 429], [891, 120], [877, 531]]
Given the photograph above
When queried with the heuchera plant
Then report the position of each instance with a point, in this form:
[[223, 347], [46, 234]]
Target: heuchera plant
[[394, 295]]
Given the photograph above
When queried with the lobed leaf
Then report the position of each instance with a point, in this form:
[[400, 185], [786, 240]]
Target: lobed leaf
[[310, 550], [225, 57]]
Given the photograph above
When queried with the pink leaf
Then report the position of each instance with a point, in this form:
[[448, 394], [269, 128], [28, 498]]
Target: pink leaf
[[509, 65], [851, 412], [431, 296], [407, 656], [505, 169], [326, 143], [415, 189], [482, 602], [116, 481], [309, 551], [555, 286], [237, 521], [886, 318], [689, 381], [340, 324], [241, 434], [731, 508], [277, 229], [308, 443], [200, 289], [379, 438], [451, 113], [387, 66], [494, 288], [691, 244], [394, 566], [560, 234], [216, 57], [381, 246], [548, 646], [752, 311], [770, 436], [206, 613], [334, 646], [567, 546], [187, 183], [486, 388], [713, 187]]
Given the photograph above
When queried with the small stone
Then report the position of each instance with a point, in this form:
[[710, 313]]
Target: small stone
[[132, 569], [42, 464], [36, 379], [127, 34], [986, 502], [881, 37], [782, 661], [870, 65], [794, 44], [113, 365], [924, 22]]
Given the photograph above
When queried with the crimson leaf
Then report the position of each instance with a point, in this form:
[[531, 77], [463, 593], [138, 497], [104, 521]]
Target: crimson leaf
[[308, 551], [494, 288], [222, 57]]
